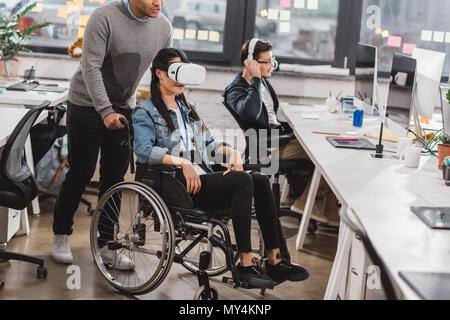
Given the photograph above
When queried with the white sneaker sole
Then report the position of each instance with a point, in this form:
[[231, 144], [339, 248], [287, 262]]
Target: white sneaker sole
[[62, 260]]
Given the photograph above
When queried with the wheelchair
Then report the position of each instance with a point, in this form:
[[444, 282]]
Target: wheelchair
[[154, 223]]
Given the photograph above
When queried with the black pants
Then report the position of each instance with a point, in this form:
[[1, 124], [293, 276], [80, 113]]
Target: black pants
[[87, 135], [236, 189]]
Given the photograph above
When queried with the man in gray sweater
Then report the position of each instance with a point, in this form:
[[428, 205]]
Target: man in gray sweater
[[121, 39]]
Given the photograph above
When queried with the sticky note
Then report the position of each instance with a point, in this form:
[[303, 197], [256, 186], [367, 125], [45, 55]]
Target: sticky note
[[378, 31], [394, 41], [408, 48], [62, 13], [214, 36], [202, 35], [299, 4], [385, 34], [285, 3], [78, 3], [190, 34], [313, 4], [178, 34], [285, 15], [80, 32], [427, 35], [438, 36], [264, 13], [447, 37], [285, 27], [84, 21], [273, 14]]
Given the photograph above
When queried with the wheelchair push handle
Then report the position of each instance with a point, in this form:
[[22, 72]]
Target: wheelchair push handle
[[126, 124]]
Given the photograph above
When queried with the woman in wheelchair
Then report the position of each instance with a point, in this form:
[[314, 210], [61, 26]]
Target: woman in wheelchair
[[169, 131]]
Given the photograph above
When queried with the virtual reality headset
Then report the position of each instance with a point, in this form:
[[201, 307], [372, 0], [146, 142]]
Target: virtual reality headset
[[185, 73]]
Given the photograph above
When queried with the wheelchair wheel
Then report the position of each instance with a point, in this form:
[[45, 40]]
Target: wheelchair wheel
[[132, 220], [201, 294], [218, 258]]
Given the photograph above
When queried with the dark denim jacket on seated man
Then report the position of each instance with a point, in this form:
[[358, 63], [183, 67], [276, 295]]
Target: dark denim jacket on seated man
[[247, 102], [153, 139]]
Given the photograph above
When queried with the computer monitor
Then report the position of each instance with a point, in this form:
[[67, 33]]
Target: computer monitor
[[365, 75], [428, 78], [401, 88]]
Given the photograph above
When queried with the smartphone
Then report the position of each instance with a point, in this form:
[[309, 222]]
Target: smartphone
[[384, 156]]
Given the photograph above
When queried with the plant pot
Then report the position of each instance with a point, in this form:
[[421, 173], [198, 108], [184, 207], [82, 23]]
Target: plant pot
[[12, 68], [444, 151]]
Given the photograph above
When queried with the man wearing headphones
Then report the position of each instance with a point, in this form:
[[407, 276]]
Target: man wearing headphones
[[254, 100], [120, 41]]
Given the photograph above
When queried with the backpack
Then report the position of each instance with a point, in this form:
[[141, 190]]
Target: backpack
[[51, 170]]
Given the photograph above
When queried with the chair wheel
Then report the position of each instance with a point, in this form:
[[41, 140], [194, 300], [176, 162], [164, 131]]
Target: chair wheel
[[2, 285], [42, 272], [312, 226], [201, 294]]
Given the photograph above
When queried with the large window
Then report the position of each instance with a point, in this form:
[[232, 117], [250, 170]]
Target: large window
[[402, 25], [304, 29], [199, 25]]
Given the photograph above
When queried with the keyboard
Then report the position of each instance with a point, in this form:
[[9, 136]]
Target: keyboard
[[22, 86], [434, 217]]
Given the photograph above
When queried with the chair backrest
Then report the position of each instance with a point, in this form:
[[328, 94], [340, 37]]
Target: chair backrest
[[360, 232], [12, 163], [243, 127]]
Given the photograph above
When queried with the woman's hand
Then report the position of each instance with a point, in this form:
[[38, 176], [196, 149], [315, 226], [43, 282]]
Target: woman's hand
[[235, 161], [193, 182]]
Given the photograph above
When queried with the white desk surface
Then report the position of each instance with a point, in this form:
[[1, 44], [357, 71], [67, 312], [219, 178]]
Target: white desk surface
[[10, 117], [32, 98], [380, 193]]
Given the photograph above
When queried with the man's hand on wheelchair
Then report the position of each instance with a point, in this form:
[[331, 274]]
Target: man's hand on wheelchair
[[112, 121], [193, 182], [235, 161]]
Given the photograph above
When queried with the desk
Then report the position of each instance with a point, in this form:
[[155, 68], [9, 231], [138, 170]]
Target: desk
[[21, 99], [32, 98], [380, 193], [10, 117]]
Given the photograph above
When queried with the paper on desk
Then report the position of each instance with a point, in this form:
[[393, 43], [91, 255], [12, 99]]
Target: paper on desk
[[311, 116]]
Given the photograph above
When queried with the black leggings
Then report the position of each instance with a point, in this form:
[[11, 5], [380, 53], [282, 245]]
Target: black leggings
[[236, 190]]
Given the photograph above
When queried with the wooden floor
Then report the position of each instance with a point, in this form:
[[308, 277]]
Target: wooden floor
[[21, 281]]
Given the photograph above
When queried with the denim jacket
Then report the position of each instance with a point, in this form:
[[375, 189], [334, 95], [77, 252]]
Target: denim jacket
[[153, 139]]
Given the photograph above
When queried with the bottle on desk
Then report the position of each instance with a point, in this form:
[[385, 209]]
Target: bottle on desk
[[358, 115]]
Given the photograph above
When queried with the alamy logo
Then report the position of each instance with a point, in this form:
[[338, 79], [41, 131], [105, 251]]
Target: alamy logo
[[74, 280]]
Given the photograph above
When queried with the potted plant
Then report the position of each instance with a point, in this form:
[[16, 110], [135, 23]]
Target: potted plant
[[443, 147], [13, 35]]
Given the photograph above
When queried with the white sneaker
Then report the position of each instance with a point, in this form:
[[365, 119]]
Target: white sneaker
[[61, 249], [116, 260]]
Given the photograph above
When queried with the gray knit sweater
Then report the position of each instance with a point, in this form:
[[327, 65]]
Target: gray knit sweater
[[117, 50]]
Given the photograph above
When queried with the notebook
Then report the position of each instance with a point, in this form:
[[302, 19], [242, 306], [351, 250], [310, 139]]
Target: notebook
[[351, 143]]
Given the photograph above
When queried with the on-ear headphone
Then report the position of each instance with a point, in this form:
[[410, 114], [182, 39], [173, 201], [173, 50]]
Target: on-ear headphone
[[251, 48]]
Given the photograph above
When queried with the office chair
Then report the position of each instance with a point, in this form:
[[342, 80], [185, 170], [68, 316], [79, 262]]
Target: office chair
[[17, 184], [306, 167], [373, 255]]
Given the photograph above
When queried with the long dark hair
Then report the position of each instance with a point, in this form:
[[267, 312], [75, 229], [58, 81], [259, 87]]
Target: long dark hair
[[162, 58]]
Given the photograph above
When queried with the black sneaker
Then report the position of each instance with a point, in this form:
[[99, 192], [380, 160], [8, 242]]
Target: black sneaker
[[285, 270], [254, 277]]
